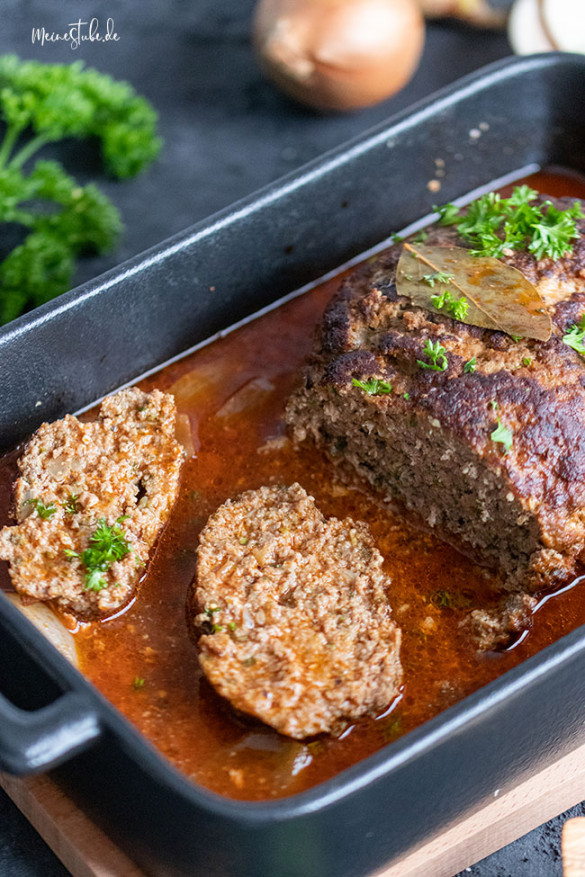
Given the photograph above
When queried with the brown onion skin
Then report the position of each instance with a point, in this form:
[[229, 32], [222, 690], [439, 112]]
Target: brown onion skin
[[476, 12], [339, 54]]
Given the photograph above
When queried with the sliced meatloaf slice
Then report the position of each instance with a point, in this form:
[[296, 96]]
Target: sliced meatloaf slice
[[106, 486], [429, 443], [292, 613]]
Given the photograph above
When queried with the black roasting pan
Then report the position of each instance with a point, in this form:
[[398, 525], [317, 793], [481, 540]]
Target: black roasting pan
[[95, 338]]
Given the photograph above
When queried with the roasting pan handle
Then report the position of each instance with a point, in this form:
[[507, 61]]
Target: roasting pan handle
[[31, 742]]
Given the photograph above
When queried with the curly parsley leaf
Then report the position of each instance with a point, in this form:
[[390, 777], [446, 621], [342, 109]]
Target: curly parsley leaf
[[107, 544], [41, 104], [71, 505], [436, 353], [373, 386], [504, 435], [437, 277], [575, 337], [457, 307], [448, 214], [552, 236], [43, 510], [493, 224]]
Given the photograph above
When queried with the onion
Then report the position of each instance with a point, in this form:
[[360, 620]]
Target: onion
[[525, 29], [339, 54], [47, 622], [478, 12], [184, 434], [547, 25], [252, 393], [564, 23]]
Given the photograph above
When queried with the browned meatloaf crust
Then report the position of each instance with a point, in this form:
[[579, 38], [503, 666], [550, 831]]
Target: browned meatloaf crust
[[428, 443], [294, 612], [123, 465]]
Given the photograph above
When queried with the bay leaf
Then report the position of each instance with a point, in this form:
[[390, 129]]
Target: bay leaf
[[498, 296]]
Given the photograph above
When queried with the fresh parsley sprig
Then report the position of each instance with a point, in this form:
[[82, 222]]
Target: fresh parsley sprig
[[43, 510], [436, 353], [457, 307], [493, 224], [373, 386], [575, 337], [107, 544], [504, 435], [42, 104], [437, 277]]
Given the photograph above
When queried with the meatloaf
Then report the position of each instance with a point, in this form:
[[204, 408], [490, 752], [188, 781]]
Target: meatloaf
[[291, 613], [91, 501], [428, 442]]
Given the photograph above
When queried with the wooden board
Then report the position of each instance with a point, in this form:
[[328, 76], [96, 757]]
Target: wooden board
[[573, 846], [87, 852]]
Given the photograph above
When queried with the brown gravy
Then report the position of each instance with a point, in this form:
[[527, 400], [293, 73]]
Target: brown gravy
[[234, 392]]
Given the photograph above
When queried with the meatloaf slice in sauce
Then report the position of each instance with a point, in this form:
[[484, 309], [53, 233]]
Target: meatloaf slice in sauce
[[292, 613], [428, 442], [91, 501]]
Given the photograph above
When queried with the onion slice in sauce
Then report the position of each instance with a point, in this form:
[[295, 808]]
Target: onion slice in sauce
[[45, 620]]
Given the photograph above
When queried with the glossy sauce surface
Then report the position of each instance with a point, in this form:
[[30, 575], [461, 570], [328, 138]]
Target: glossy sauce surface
[[234, 392]]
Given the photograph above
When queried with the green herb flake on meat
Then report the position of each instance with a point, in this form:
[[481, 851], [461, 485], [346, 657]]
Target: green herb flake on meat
[[504, 435], [373, 386], [436, 353]]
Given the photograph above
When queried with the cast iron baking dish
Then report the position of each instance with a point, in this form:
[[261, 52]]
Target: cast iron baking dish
[[95, 338]]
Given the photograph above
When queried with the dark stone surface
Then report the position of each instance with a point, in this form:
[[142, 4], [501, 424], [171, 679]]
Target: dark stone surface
[[227, 132]]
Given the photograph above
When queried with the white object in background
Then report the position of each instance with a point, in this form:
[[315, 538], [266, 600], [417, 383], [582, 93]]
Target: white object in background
[[564, 20], [526, 29]]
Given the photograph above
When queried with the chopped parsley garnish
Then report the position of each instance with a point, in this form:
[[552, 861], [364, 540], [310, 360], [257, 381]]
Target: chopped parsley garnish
[[42, 510], [470, 366], [232, 626], [391, 730], [493, 224], [70, 505], [526, 361], [504, 435], [436, 353], [106, 546], [552, 236], [448, 214], [138, 683], [95, 581], [457, 307], [450, 600], [373, 386], [406, 396], [438, 277], [441, 599], [211, 610], [217, 628], [421, 237], [575, 337]]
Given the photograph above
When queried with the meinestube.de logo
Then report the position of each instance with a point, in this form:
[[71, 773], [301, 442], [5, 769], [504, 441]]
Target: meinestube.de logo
[[77, 32]]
